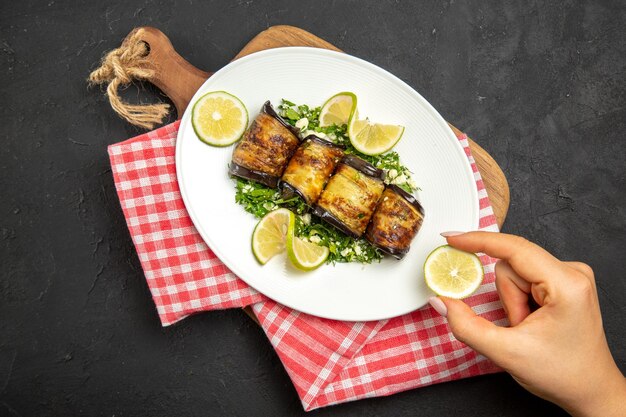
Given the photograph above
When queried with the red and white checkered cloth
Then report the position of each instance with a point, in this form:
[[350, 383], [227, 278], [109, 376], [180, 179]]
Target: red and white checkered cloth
[[329, 361]]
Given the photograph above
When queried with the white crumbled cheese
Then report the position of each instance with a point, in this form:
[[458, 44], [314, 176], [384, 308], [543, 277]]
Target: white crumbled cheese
[[400, 179], [346, 252], [392, 173], [357, 250], [268, 205], [313, 132], [306, 218], [332, 136], [315, 239], [412, 183], [302, 124]]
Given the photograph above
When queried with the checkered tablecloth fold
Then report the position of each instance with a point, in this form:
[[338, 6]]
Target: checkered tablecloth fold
[[328, 361], [183, 273]]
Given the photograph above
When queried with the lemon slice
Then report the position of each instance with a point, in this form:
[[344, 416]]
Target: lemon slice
[[338, 110], [373, 138], [452, 272], [269, 236], [219, 118], [305, 255]]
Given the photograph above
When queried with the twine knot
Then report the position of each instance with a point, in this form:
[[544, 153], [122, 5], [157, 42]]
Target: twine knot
[[119, 68]]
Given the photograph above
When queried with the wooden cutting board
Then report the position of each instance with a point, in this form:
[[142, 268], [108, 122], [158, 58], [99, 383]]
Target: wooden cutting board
[[179, 80]]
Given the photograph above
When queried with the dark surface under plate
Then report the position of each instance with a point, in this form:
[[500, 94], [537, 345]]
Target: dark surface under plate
[[540, 85]]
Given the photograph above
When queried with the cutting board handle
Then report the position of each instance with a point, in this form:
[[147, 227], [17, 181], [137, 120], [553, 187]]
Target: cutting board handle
[[180, 80], [176, 77]]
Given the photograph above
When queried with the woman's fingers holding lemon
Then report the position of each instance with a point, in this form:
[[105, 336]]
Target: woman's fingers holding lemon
[[530, 261], [513, 291], [477, 332]]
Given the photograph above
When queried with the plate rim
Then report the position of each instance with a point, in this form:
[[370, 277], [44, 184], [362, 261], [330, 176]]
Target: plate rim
[[184, 121]]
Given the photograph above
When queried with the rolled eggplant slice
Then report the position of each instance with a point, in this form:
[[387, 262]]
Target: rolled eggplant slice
[[351, 195], [265, 149], [310, 168], [396, 221]]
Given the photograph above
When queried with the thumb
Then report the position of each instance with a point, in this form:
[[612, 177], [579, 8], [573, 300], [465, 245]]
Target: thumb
[[476, 332]]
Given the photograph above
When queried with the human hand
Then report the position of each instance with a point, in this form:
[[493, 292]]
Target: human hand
[[558, 352]]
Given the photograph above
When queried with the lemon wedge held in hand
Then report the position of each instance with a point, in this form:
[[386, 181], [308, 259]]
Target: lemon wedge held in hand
[[219, 118], [452, 272]]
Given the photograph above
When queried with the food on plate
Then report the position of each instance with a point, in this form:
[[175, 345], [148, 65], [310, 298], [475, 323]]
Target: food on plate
[[452, 272], [270, 234], [338, 169], [351, 195], [303, 254], [373, 138], [266, 148], [219, 118], [309, 169], [259, 199], [338, 110], [395, 222]]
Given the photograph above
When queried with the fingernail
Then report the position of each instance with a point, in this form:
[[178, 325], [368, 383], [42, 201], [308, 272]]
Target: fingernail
[[450, 234], [438, 305]]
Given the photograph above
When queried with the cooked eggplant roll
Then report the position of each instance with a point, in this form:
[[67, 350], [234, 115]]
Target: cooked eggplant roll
[[309, 169], [265, 149], [396, 220], [351, 195]]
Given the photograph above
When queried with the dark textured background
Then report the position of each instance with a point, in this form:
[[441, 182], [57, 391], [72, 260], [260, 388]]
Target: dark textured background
[[541, 86]]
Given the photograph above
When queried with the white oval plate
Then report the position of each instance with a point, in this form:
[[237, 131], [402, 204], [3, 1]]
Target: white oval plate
[[428, 148]]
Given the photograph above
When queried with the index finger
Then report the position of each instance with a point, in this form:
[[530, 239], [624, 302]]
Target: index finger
[[531, 262]]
